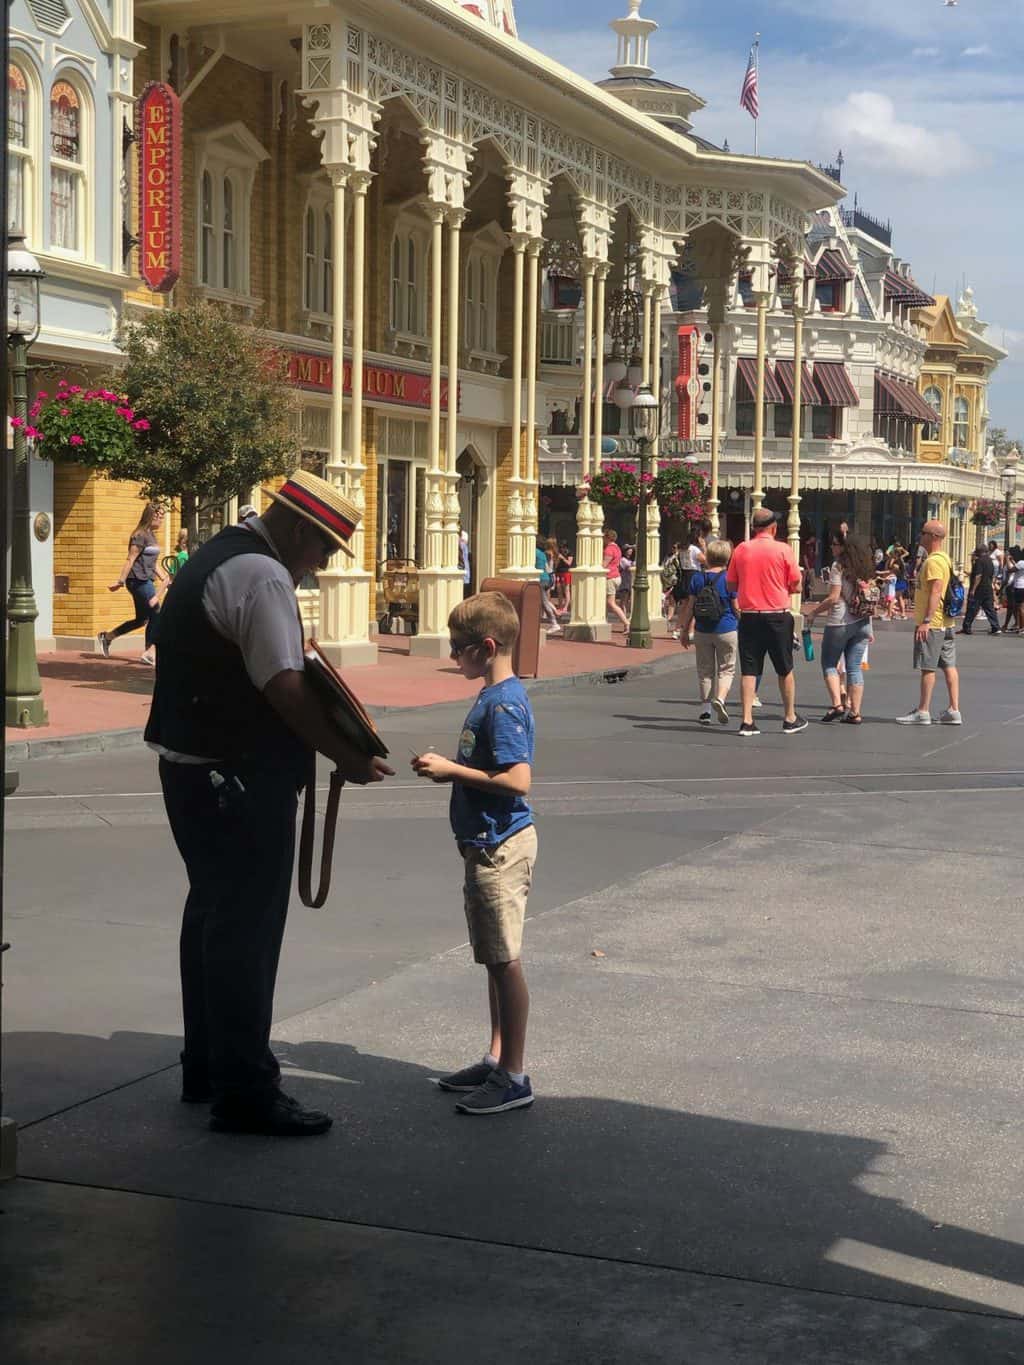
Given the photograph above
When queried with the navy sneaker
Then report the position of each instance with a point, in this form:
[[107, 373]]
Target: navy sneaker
[[498, 1093], [747, 729], [794, 726], [469, 1078]]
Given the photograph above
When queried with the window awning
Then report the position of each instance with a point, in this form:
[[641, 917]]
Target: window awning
[[833, 267], [834, 385], [899, 399], [784, 374], [900, 289], [746, 372]]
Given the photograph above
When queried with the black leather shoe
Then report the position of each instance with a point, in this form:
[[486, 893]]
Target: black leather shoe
[[280, 1116], [195, 1094]]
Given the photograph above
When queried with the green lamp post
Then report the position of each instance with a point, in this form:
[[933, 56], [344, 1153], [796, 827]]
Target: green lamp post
[[643, 414], [24, 699]]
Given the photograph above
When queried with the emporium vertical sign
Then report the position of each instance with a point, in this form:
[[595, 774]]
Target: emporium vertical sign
[[158, 131]]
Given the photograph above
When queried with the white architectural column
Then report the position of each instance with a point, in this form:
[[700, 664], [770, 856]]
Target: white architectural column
[[520, 555], [529, 473], [345, 607], [652, 335], [452, 513], [757, 493], [432, 637], [589, 619], [714, 499], [793, 525]]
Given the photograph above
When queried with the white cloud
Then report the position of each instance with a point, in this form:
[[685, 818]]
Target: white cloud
[[866, 122], [982, 50]]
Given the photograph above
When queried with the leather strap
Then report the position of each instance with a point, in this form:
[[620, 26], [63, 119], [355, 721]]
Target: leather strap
[[308, 835]]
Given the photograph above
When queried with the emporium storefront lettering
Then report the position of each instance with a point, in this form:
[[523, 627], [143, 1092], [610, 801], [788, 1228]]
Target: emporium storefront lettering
[[381, 383], [158, 131]]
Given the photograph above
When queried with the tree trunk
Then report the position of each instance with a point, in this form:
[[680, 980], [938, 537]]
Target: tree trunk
[[190, 519]]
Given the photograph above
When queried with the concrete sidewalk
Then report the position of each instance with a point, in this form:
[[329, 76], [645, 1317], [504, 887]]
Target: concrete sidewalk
[[98, 704]]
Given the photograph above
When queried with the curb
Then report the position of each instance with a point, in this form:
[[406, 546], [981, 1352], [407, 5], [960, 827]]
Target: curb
[[102, 741]]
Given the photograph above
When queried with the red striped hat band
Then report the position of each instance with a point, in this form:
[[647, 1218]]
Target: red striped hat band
[[328, 515]]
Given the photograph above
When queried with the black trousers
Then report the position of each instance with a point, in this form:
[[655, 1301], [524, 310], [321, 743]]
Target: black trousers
[[981, 602], [239, 850]]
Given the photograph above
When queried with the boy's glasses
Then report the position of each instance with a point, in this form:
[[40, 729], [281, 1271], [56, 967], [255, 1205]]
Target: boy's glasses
[[459, 647]]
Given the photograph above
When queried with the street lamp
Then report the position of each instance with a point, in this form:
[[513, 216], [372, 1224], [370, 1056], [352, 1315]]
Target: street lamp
[[1009, 478], [644, 416], [24, 699]]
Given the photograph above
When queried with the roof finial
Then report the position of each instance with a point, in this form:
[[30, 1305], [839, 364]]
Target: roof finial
[[634, 33]]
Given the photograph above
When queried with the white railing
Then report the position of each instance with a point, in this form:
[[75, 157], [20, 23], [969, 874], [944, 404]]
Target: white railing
[[558, 339]]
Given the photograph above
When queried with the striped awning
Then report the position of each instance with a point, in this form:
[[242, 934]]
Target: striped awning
[[834, 385], [746, 374], [833, 267], [784, 374], [900, 399], [900, 289]]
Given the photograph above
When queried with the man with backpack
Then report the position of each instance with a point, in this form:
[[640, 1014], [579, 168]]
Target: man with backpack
[[939, 600], [712, 607]]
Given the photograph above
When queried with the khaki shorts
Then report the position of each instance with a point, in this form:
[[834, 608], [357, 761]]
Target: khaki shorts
[[496, 891], [611, 586], [938, 651]]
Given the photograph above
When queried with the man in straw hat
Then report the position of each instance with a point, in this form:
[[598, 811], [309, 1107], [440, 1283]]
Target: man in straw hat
[[236, 724]]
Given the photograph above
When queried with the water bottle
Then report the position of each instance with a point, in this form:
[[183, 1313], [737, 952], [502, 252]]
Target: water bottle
[[808, 645]]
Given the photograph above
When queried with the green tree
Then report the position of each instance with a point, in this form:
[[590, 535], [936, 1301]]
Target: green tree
[[220, 409]]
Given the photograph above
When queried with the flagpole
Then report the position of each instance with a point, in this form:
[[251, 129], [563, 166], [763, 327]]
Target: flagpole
[[757, 69]]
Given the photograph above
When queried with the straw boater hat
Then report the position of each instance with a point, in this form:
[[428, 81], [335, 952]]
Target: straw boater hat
[[321, 503]]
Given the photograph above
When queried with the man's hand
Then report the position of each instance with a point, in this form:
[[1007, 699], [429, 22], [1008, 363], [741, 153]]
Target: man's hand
[[685, 642], [921, 633], [434, 766], [366, 770]]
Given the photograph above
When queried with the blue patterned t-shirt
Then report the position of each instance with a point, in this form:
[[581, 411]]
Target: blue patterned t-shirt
[[498, 733]]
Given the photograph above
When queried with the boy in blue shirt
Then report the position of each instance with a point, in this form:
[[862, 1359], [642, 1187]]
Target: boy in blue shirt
[[493, 827]]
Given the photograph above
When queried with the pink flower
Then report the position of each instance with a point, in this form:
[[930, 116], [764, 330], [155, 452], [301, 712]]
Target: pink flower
[[75, 388], [42, 394], [65, 412], [62, 383], [76, 441], [126, 413], [32, 433], [35, 409], [17, 421], [141, 424]]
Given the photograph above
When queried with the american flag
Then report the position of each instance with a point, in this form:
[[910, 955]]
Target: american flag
[[748, 95]]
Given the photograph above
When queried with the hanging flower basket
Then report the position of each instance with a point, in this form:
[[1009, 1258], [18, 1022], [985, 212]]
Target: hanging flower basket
[[75, 425], [987, 512], [616, 484], [682, 492]]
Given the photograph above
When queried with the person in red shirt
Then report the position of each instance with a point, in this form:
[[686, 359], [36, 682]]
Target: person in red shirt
[[612, 561], [763, 573]]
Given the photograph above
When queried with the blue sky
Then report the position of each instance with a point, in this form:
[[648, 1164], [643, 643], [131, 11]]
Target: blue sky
[[924, 100]]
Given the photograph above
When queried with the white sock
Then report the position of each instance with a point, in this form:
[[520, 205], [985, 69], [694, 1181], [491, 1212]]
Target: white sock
[[490, 1060], [517, 1077]]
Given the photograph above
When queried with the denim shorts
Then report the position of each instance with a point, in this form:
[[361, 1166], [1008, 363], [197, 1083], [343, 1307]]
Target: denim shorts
[[850, 643]]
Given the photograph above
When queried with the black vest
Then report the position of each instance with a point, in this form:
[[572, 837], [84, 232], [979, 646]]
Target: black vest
[[204, 702]]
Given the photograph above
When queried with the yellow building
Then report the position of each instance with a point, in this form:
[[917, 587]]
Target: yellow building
[[385, 188], [955, 374]]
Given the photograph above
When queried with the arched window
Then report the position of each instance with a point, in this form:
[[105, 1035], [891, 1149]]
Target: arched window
[[407, 312], [226, 162], [206, 230], [327, 274], [229, 239], [309, 261], [480, 321], [961, 423], [19, 151], [67, 167], [933, 397]]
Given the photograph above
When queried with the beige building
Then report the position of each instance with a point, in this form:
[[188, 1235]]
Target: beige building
[[386, 187]]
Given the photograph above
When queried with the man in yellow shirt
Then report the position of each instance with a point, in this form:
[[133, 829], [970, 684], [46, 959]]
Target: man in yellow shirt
[[934, 642]]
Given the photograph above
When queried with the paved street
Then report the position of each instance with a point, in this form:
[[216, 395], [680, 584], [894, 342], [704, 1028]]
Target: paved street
[[776, 1039]]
